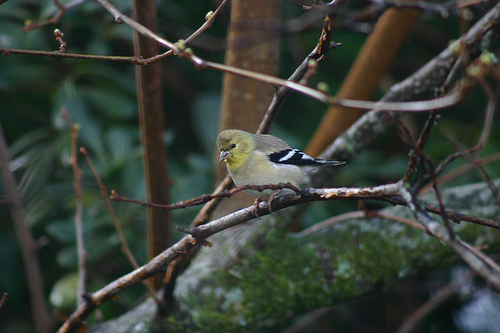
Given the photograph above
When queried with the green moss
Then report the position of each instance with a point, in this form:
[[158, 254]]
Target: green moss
[[208, 312], [276, 283], [173, 323], [293, 275], [282, 281]]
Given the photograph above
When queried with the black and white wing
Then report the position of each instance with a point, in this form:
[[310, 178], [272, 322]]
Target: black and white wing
[[296, 157]]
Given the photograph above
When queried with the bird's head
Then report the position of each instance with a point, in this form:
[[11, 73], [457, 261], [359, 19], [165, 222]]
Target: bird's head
[[234, 146]]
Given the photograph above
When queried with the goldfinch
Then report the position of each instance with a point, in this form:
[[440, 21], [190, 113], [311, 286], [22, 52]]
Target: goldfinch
[[261, 159]]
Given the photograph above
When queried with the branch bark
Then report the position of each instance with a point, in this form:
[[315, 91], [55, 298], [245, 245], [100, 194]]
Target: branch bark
[[257, 271], [150, 97]]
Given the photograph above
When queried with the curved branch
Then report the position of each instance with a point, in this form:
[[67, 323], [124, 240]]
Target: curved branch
[[92, 300], [391, 193]]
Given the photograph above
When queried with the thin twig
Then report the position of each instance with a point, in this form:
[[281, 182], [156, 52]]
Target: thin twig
[[417, 153], [491, 274], [450, 158], [209, 19], [62, 9], [490, 111], [494, 190], [324, 45], [200, 200], [460, 170], [124, 244], [452, 215], [417, 106], [122, 18], [57, 54], [359, 214], [77, 173], [133, 60], [437, 192]]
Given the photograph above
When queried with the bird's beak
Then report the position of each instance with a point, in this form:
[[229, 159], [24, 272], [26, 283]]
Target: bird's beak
[[223, 155]]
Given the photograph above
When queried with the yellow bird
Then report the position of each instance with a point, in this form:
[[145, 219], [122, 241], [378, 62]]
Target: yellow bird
[[262, 159]]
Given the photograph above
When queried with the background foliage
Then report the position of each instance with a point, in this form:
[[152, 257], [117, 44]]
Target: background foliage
[[100, 96]]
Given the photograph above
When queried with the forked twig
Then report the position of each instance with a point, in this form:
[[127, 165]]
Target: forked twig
[[206, 197], [124, 244], [77, 173]]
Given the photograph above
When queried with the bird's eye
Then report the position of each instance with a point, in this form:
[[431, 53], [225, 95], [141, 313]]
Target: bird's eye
[[233, 145]]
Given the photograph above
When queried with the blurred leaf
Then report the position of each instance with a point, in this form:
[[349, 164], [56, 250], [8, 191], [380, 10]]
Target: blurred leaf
[[63, 294], [121, 142], [90, 133], [62, 230], [111, 102], [67, 257]]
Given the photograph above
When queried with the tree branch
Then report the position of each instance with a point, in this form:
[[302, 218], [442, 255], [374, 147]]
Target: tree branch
[[200, 233], [77, 173]]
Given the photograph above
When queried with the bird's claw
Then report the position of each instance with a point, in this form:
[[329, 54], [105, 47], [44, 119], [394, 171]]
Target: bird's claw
[[255, 209], [270, 201]]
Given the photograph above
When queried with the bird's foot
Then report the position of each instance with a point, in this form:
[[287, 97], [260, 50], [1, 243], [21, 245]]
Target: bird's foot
[[255, 209], [270, 201]]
